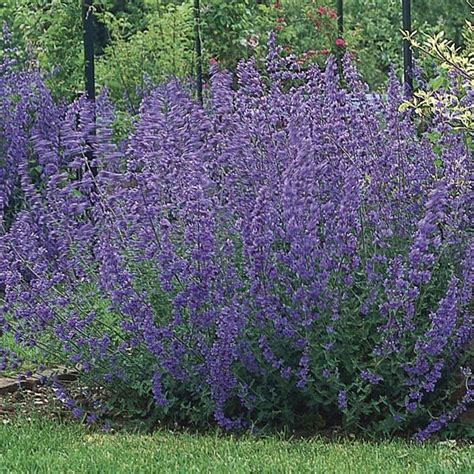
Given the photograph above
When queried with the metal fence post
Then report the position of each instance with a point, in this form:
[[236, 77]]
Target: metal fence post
[[89, 70], [340, 33], [340, 16], [407, 51], [198, 48], [88, 29]]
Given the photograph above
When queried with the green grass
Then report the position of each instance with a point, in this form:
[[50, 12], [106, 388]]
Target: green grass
[[43, 446]]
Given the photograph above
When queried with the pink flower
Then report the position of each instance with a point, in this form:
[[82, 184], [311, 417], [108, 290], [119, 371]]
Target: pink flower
[[213, 61], [332, 14], [324, 52], [340, 43]]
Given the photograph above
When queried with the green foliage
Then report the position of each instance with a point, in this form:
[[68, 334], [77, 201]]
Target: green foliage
[[306, 28], [154, 39], [29, 357], [162, 49], [50, 31], [375, 26], [374, 29], [228, 27], [448, 92]]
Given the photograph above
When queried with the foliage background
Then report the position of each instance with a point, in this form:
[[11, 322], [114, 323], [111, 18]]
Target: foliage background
[[151, 40]]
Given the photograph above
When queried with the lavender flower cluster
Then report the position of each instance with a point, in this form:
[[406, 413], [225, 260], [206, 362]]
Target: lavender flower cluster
[[27, 116], [292, 248]]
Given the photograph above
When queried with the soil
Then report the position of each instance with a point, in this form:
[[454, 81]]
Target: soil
[[28, 396]]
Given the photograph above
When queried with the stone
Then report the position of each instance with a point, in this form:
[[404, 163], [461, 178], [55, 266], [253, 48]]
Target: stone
[[8, 385]]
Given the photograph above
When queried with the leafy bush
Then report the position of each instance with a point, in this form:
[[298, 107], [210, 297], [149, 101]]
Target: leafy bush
[[238, 29], [308, 29], [231, 30], [50, 32], [155, 38], [451, 89], [374, 26], [293, 254], [164, 49]]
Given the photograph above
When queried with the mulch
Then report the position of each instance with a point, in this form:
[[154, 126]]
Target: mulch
[[28, 396]]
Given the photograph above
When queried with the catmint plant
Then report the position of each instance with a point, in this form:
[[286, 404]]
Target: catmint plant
[[294, 253]]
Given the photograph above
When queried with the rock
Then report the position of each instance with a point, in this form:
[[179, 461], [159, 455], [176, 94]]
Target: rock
[[8, 385]]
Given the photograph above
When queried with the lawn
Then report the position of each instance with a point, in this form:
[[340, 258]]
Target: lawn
[[243, 217], [44, 446]]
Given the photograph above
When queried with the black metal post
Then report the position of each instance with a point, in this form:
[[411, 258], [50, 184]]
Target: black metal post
[[340, 33], [88, 25], [89, 69], [340, 17], [198, 48], [407, 51]]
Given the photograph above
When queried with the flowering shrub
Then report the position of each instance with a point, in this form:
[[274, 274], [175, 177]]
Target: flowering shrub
[[293, 254], [27, 116]]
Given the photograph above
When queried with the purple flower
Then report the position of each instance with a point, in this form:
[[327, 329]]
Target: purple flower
[[370, 377], [77, 412], [91, 418], [156, 387], [342, 400]]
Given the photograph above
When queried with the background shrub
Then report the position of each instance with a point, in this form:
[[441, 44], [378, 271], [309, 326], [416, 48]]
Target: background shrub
[[150, 40], [456, 71], [164, 49], [375, 28]]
